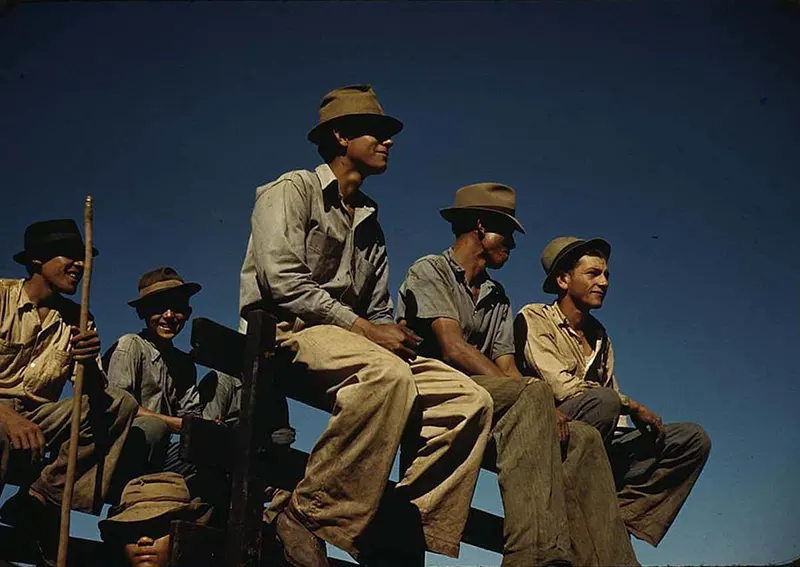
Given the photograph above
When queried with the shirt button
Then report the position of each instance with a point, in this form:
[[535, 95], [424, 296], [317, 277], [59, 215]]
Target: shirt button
[[33, 365]]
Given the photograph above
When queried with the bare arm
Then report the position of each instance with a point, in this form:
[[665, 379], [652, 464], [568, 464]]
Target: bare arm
[[458, 353], [23, 433], [174, 423], [507, 364]]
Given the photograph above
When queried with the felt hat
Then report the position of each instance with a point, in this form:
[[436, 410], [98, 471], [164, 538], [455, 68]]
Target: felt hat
[[52, 238], [162, 280], [353, 101], [491, 197], [565, 248], [151, 497]]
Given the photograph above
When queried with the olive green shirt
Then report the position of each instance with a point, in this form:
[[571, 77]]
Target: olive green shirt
[[436, 286], [309, 260]]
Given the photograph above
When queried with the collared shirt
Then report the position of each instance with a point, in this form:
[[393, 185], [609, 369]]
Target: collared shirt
[[553, 351], [309, 259], [436, 286], [161, 382], [35, 355]]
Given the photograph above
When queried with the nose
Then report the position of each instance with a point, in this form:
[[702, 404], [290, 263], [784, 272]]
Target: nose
[[169, 314], [603, 281], [388, 143], [145, 541]]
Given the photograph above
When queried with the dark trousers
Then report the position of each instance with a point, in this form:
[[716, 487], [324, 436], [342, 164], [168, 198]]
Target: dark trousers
[[652, 483]]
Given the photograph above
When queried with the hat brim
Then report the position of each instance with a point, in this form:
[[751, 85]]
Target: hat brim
[[389, 124], [23, 258], [449, 214], [550, 285], [149, 511], [188, 288]]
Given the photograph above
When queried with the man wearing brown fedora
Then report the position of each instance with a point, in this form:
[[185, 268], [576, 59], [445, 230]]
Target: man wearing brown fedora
[[655, 465], [40, 344], [137, 530], [161, 377], [554, 512], [317, 255]]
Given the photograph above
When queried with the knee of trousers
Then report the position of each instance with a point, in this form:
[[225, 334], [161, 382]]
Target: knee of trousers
[[390, 376], [697, 440], [538, 397], [155, 430], [586, 437], [606, 403], [477, 402], [127, 404]]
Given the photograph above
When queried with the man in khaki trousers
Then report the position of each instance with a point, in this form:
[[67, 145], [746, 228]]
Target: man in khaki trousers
[[559, 500], [317, 254]]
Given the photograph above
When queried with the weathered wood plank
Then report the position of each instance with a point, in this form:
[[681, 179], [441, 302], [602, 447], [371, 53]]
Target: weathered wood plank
[[19, 547], [191, 545]]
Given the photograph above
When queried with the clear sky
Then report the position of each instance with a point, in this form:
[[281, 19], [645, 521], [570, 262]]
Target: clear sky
[[671, 129]]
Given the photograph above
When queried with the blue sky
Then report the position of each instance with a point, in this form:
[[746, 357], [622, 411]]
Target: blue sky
[[670, 129]]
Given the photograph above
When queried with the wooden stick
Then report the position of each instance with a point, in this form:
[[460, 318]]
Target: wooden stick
[[77, 389]]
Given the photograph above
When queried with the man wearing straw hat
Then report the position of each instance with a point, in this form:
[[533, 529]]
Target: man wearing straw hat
[[554, 512], [655, 465], [137, 529], [317, 255], [39, 346]]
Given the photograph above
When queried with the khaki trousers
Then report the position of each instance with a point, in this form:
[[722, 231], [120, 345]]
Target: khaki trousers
[[371, 394], [558, 507], [106, 418]]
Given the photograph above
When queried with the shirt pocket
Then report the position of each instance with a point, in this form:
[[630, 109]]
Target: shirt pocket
[[364, 280], [46, 375], [9, 353], [323, 256]]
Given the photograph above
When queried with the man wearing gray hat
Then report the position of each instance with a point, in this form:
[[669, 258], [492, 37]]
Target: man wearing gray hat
[[317, 257], [655, 465], [555, 513]]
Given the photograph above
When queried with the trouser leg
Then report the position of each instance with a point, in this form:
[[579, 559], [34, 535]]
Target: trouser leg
[[371, 393], [653, 484], [454, 429], [599, 407], [5, 453], [106, 418], [536, 531], [599, 536]]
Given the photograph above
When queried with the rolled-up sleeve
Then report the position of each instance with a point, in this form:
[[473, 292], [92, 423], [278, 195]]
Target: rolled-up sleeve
[[278, 237], [504, 339], [426, 294], [122, 363]]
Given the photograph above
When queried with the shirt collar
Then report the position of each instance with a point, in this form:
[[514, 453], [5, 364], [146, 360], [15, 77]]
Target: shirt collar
[[328, 182], [23, 301], [488, 285], [592, 324], [155, 354]]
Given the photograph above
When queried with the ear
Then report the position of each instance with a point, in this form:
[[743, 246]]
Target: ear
[[341, 141], [479, 227], [562, 281]]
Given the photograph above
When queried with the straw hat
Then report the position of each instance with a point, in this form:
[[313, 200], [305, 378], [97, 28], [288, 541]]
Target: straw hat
[[162, 280]]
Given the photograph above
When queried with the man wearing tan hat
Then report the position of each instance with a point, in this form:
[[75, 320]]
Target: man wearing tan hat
[[655, 465], [40, 344], [554, 512], [160, 376], [317, 255], [137, 529]]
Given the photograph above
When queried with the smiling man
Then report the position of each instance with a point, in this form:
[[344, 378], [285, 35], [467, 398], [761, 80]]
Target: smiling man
[[317, 257], [557, 511], [40, 344], [655, 465]]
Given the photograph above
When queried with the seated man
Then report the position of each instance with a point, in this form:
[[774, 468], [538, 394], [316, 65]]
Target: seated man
[[464, 317], [317, 255], [40, 344], [163, 378], [654, 466], [137, 530]]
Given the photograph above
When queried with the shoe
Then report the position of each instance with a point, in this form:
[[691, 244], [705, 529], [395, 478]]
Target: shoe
[[301, 548], [29, 515]]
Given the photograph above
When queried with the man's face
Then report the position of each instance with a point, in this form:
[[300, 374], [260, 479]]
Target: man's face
[[63, 273], [370, 153], [148, 551], [587, 283], [498, 241], [166, 315]]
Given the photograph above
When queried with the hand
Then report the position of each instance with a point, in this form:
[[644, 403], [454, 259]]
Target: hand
[[23, 433], [562, 421], [397, 339], [647, 420], [85, 346]]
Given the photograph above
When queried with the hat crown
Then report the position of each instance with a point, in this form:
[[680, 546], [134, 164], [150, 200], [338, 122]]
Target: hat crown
[[159, 275], [156, 487], [554, 248], [486, 195], [345, 101]]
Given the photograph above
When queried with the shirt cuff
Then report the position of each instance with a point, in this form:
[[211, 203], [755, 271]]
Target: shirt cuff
[[625, 402], [342, 316]]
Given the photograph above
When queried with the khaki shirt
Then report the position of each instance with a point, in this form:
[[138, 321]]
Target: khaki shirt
[[161, 382], [436, 286], [552, 350], [309, 260], [35, 355]]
